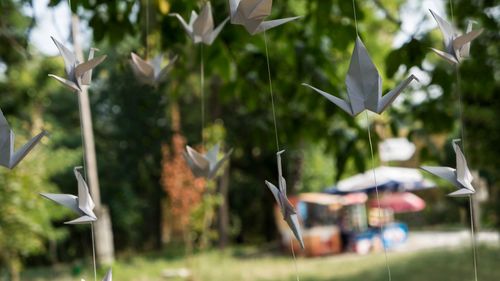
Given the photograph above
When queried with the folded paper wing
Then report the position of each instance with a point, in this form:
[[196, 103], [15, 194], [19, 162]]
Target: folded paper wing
[[462, 42], [205, 165], [8, 157], [81, 204], [464, 176], [204, 23], [461, 177], [201, 27], [447, 31], [251, 14], [288, 212], [215, 168], [67, 200], [210, 38], [364, 85], [266, 25], [162, 75], [457, 47], [287, 209], [151, 73], [77, 73], [389, 98], [142, 67], [446, 173], [25, 149]]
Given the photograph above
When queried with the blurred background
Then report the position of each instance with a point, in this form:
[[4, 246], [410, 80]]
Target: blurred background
[[164, 224]]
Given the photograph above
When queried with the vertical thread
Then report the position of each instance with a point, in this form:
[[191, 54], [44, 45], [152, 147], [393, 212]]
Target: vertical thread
[[451, 11], [378, 197], [147, 29], [473, 237], [460, 107], [294, 258], [93, 250], [462, 133], [271, 92], [355, 17], [202, 93]]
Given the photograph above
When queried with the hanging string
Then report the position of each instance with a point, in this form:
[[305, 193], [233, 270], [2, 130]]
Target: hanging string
[[355, 17], [378, 197], [451, 10], [294, 258], [202, 93], [276, 136], [460, 109], [271, 92], [93, 250], [462, 133], [84, 153], [147, 29], [473, 237]]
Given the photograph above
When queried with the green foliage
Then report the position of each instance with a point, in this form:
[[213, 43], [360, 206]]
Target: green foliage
[[131, 121], [254, 264]]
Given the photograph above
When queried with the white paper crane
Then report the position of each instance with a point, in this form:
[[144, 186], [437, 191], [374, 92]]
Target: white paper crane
[[82, 205], [77, 73], [151, 72], [251, 14], [457, 47], [8, 157], [287, 210], [364, 85], [201, 27], [460, 177], [205, 165]]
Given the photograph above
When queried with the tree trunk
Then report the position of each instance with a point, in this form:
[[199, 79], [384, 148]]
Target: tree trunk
[[103, 230], [14, 267], [223, 214]]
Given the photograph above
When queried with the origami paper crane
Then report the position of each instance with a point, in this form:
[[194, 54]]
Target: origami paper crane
[[457, 47], [82, 205], [108, 277], [251, 14], [364, 85], [205, 165], [460, 177], [8, 157], [287, 210], [78, 74], [201, 27], [151, 72]]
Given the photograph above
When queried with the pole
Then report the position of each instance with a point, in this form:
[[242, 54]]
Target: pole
[[103, 232]]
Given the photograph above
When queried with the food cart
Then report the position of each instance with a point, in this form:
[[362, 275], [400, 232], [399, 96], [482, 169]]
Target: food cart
[[348, 218]]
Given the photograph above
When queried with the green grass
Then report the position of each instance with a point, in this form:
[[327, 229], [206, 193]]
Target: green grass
[[241, 265]]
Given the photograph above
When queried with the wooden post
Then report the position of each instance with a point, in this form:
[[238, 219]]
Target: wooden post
[[103, 231]]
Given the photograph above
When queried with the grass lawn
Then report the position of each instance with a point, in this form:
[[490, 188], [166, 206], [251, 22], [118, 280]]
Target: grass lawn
[[244, 265]]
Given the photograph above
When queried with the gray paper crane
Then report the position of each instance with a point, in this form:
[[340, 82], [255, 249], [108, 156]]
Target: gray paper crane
[[201, 27], [205, 165], [81, 204], [8, 157], [364, 85], [77, 73], [251, 14], [108, 277], [287, 210], [460, 177], [457, 47], [151, 72]]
